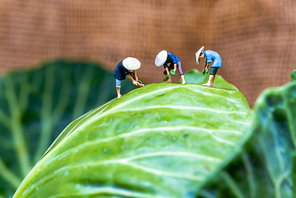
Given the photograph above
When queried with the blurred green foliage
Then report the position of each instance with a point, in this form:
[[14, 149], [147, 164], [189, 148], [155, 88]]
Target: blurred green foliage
[[37, 104], [266, 165], [293, 75]]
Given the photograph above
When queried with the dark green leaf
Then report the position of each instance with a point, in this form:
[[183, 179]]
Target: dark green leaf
[[266, 167], [35, 105], [293, 75], [161, 140]]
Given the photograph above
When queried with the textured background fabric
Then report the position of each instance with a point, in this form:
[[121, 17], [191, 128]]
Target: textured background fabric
[[255, 38]]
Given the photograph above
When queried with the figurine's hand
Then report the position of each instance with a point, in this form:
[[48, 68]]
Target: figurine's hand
[[135, 83], [140, 85]]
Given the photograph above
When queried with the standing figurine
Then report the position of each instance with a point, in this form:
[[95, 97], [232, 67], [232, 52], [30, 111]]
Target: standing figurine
[[170, 63], [211, 56], [125, 68]]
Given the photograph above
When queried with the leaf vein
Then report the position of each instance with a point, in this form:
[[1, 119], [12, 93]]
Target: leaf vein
[[144, 131], [70, 168]]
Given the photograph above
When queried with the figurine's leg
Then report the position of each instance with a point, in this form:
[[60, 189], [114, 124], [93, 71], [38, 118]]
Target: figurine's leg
[[213, 72], [118, 86], [210, 81], [118, 93], [183, 80], [179, 67]]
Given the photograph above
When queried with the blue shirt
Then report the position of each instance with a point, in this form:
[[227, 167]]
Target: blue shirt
[[213, 56], [171, 59], [120, 72]]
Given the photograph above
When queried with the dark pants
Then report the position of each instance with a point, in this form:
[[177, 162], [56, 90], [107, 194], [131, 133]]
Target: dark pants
[[214, 70]]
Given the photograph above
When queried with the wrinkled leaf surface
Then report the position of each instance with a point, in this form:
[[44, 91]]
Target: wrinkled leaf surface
[[161, 140]]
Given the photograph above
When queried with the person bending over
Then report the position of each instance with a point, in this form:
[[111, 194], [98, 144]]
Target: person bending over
[[127, 68], [210, 56], [170, 62]]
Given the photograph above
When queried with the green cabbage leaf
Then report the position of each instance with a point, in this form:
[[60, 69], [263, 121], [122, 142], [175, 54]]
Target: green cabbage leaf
[[196, 77], [161, 140]]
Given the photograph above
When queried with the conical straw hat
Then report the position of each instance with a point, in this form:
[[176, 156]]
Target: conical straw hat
[[131, 63], [198, 53], [161, 58]]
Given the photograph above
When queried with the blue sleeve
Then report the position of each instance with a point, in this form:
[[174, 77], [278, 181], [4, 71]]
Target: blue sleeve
[[174, 58], [209, 57]]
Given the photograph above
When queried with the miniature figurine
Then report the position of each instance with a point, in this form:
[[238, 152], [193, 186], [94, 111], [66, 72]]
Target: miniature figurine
[[171, 63], [125, 68], [210, 56]]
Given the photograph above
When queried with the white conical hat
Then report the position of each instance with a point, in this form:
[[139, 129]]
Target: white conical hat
[[161, 58], [131, 63], [198, 53]]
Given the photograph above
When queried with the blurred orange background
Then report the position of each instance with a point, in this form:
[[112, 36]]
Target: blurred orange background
[[255, 38]]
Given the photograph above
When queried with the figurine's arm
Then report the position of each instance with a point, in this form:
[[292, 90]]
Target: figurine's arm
[[135, 75], [175, 67], [140, 84], [168, 73], [206, 65], [133, 80]]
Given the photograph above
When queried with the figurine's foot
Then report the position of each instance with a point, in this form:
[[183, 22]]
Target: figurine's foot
[[183, 83], [208, 85], [119, 96]]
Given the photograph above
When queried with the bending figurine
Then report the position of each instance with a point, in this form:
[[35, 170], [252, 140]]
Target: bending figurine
[[125, 68], [171, 63], [210, 56]]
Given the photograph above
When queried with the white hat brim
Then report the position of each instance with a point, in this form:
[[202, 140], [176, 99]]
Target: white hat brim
[[161, 58], [198, 53], [131, 63]]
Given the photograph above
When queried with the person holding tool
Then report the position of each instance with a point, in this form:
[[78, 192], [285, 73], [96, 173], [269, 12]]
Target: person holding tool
[[171, 63], [210, 56], [125, 68]]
